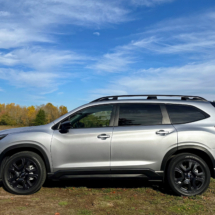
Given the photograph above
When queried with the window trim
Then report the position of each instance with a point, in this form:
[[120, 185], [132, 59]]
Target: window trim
[[164, 113], [203, 112], [57, 125]]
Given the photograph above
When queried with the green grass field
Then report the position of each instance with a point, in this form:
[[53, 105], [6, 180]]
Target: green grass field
[[106, 197]]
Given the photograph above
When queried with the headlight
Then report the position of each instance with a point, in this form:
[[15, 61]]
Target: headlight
[[2, 136]]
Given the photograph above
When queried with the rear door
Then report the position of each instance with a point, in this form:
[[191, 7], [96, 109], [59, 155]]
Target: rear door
[[141, 137]]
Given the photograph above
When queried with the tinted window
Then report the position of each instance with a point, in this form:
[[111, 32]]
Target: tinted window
[[93, 117], [213, 103], [184, 114], [139, 114]]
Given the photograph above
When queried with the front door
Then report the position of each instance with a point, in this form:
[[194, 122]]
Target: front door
[[86, 146], [141, 137]]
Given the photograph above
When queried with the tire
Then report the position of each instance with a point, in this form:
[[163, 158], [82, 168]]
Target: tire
[[188, 175], [4, 161], [24, 173]]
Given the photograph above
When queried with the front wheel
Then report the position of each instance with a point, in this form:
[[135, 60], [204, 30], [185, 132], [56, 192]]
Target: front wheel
[[188, 175], [24, 173]]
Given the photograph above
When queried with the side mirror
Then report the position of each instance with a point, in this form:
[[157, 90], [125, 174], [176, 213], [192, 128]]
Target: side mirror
[[65, 126]]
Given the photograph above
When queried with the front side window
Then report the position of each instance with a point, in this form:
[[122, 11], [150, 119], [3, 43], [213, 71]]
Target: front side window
[[92, 117], [180, 114], [139, 114]]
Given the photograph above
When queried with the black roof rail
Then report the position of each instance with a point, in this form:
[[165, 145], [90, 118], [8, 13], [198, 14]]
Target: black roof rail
[[183, 97]]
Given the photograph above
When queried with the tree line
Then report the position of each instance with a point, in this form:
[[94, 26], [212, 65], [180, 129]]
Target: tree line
[[14, 114]]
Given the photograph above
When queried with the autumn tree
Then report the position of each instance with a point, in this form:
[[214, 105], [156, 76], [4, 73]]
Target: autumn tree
[[40, 118], [63, 110], [31, 114], [13, 114], [7, 120], [51, 111]]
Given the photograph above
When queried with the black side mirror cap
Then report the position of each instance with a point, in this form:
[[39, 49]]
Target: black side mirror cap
[[65, 126]]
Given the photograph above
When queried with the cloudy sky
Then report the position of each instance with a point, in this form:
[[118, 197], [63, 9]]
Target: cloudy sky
[[70, 52]]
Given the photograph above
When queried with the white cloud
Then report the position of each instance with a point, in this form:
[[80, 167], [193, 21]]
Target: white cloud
[[193, 79], [4, 13], [112, 62], [40, 58], [60, 93], [121, 57], [174, 37], [23, 25], [28, 25], [150, 3], [186, 37], [16, 37], [181, 36], [43, 82], [96, 33], [35, 99], [32, 20]]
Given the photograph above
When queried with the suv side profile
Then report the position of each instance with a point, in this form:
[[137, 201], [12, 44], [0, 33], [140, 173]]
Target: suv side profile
[[171, 140]]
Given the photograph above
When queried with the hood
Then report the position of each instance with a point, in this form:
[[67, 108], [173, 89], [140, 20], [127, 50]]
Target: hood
[[21, 129]]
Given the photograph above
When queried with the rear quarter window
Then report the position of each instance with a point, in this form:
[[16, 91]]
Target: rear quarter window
[[180, 114]]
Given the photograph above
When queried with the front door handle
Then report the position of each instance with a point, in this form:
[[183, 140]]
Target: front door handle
[[162, 132], [103, 136]]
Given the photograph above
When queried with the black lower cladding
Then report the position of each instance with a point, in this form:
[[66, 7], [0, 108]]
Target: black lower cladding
[[23, 174], [189, 148], [105, 173]]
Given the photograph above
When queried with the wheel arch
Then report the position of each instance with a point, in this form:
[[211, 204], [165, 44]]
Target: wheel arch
[[197, 150], [25, 147]]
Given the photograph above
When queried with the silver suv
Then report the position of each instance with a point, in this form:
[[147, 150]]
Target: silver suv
[[171, 140]]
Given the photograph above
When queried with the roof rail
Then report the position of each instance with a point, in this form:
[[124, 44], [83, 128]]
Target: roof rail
[[183, 97]]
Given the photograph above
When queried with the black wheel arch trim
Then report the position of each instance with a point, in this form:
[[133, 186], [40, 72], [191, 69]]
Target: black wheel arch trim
[[171, 152], [30, 146]]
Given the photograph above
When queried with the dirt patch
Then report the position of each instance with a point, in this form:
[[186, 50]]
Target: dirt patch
[[106, 197]]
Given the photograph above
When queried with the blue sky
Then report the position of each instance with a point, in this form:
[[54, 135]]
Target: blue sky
[[70, 52]]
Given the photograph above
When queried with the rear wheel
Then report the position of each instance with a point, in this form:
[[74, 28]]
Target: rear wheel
[[24, 173], [188, 175]]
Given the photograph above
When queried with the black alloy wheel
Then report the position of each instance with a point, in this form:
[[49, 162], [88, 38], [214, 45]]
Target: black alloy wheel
[[188, 175], [24, 173]]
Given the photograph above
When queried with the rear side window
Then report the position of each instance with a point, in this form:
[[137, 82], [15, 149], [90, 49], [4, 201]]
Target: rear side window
[[139, 114], [180, 114]]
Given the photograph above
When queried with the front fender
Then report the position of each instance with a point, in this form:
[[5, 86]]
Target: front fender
[[39, 141]]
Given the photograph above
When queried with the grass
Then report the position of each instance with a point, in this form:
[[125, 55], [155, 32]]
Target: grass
[[63, 203], [84, 212], [109, 197], [21, 208]]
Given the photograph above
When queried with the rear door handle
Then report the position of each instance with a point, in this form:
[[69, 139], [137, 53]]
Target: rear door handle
[[162, 132], [103, 136]]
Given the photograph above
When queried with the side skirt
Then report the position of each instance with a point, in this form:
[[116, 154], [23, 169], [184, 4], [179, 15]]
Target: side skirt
[[137, 173]]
